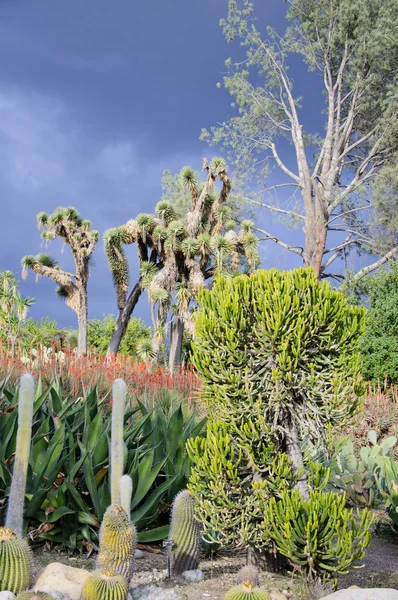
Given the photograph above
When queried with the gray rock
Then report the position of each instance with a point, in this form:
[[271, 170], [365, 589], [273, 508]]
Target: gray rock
[[363, 594], [138, 554], [7, 596], [60, 580], [193, 576], [154, 592]]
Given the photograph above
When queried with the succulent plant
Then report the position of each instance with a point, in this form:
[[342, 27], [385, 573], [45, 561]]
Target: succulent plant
[[248, 576], [117, 540], [242, 592], [185, 533], [117, 442], [15, 562], [105, 585], [14, 519], [31, 595], [126, 492]]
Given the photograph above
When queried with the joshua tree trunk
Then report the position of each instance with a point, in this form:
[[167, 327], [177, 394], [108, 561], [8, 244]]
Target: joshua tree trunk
[[124, 318], [82, 319], [176, 335], [293, 450]]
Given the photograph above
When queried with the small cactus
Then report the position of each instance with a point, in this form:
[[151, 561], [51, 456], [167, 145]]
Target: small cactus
[[105, 585], [14, 519], [248, 576], [15, 562], [117, 442], [240, 592], [31, 595], [117, 540], [185, 533], [126, 492]]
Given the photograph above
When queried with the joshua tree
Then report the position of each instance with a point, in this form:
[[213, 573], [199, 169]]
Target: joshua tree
[[178, 251], [13, 307], [81, 239]]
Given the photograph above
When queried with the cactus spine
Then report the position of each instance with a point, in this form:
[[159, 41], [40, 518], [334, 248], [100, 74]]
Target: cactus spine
[[30, 595], [185, 533], [15, 562], [105, 585], [117, 443], [117, 540], [126, 492], [16, 498]]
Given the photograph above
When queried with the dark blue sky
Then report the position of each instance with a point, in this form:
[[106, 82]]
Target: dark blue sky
[[97, 98]]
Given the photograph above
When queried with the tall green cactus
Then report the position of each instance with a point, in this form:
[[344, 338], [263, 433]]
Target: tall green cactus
[[16, 498], [185, 533], [105, 585], [117, 540], [117, 443], [126, 492]]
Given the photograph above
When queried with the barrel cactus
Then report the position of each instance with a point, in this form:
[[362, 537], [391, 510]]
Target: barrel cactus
[[105, 585], [117, 540], [15, 562], [241, 592], [31, 595], [185, 533]]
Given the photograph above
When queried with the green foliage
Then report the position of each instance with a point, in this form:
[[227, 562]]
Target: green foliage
[[105, 585], [100, 333], [15, 562], [185, 533], [284, 347], [387, 482], [16, 499], [13, 309], [379, 345], [70, 446], [117, 541], [320, 535]]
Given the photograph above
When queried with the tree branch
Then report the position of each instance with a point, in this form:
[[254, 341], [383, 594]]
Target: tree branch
[[276, 209], [296, 249], [366, 270], [282, 166]]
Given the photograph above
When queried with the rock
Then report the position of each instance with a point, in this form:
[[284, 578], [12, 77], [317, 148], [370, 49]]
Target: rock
[[138, 554], [7, 596], [363, 594], [193, 576], [62, 579], [154, 592], [278, 596]]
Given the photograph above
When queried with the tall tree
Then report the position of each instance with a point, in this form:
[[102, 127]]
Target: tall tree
[[353, 45], [13, 308], [76, 233], [179, 249]]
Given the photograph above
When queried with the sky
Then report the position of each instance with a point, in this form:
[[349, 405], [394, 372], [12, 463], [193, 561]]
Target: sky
[[97, 98]]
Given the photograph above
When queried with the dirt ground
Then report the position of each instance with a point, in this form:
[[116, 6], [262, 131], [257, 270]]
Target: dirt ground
[[380, 570]]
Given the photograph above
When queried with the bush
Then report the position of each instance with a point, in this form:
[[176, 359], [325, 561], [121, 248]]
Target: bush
[[100, 332]]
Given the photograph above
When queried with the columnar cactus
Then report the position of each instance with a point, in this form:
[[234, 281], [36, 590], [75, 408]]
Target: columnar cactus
[[117, 443], [105, 585], [117, 540], [185, 533], [126, 492], [16, 498], [15, 562]]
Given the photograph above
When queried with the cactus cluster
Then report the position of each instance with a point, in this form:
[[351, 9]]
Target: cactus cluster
[[105, 585], [117, 540], [15, 562], [185, 533]]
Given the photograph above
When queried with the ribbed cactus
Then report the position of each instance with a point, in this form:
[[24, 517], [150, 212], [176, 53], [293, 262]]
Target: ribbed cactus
[[15, 562], [248, 576], [31, 595], [241, 592], [117, 540], [16, 498], [117, 443], [185, 533], [126, 492], [105, 585]]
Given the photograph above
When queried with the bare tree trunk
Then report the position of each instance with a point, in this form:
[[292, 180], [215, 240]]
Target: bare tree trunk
[[315, 231], [124, 318], [293, 450], [82, 319], [176, 336]]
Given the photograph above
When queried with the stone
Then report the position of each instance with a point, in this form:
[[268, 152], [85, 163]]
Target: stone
[[7, 596], [278, 596], [138, 554], [62, 579], [193, 576], [154, 592], [363, 594]]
